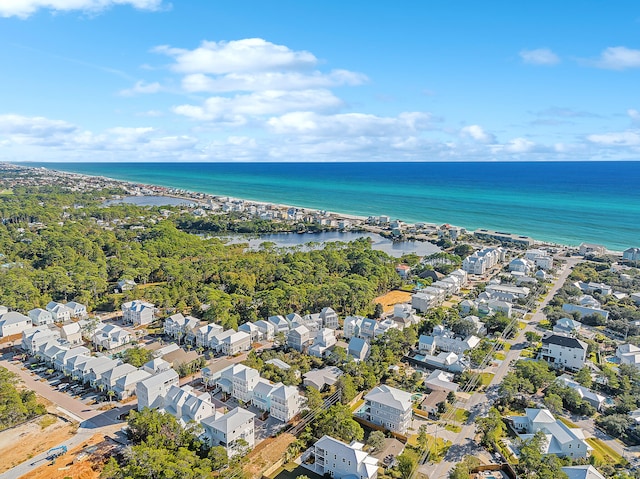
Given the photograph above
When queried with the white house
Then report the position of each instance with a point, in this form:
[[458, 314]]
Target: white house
[[281, 325], [440, 381], [108, 378], [78, 310], [72, 333], [187, 404], [483, 260], [125, 386], [444, 340], [236, 343], [206, 333], [358, 348], [582, 472], [40, 317], [321, 378], [156, 366], [389, 407], [286, 402], [562, 351], [329, 318], [138, 312], [521, 265], [98, 369], [59, 311], [126, 285], [540, 258], [340, 460], [324, 341], [598, 401], [152, 391], [61, 362], [13, 322], [561, 439], [176, 326], [234, 431], [110, 336], [267, 329], [352, 326], [252, 330], [628, 354], [35, 338], [298, 338], [567, 326], [239, 381]]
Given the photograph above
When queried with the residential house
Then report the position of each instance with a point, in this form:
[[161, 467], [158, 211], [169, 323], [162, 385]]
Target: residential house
[[592, 287], [389, 407], [206, 333], [35, 338], [234, 431], [338, 460], [567, 326], [321, 378], [236, 343], [180, 356], [562, 351], [156, 366], [561, 440], [125, 386], [628, 354], [71, 333], [267, 328], [50, 352], [152, 391], [286, 402], [108, 378], [590, 249], [445, 340], [239, 381], [423, 301], [59, 312], [280, 324], [12, 323], [40, 317], [75, 365], [78, 310], [358, 348], [252, 330], [100, 367], [631, 254], [329, 318], [110, 336], [261, 397], [521, 265], [177, 325], [431, 402], [483, 260], [585, 310], [598, 401], [187, 404], [582, 472], [138, 312], [298, 338], [352, 326], [323, 343], [61, 362], [126, 285], [540, 258], [440, 381]]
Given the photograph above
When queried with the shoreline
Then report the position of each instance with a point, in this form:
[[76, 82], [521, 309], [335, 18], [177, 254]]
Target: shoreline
[[204, 199]]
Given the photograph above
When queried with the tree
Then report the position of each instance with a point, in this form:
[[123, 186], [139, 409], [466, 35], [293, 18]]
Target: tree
[[218, 457], [346, 385], [314, 398], [491, 428], [378, 311], [423, 437], [376, 440], [553, 402], [405, 465], [462, 470], [136, 356], [583, 377]]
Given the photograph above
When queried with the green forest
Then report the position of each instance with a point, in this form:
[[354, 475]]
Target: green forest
[[64, 245]]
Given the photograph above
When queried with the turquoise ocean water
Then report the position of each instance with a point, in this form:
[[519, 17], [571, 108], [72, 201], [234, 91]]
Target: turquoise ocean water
[[562, 202]]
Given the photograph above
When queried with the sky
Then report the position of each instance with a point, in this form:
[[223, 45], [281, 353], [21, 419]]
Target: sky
[[291, 80]]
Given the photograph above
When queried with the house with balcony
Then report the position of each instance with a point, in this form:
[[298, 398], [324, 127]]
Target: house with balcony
[[101, 366], [187, 404], [323, 343], [12, 323], [280, 324], [298, 338], [126, 385], [78, 310], [71, 333], [40, 317], [562, 351], [152, 390], [239, 381], [267, 329], [59, 312], [236, 343], [111, 336], [177, 325], [138, 312], [561, 440], [108, 378], [339, 460], [234, 431], [286, 402], [388, 407], [206, 333]]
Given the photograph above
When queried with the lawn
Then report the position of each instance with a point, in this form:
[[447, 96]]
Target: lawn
[[357, 405], [461, 415], [485, 378], [453, 428], [567, 422], [603, 453], [437, 450], [501, 356], [527, 353]]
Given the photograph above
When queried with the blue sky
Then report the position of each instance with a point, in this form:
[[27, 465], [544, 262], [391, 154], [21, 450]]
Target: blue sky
[[209, 80]]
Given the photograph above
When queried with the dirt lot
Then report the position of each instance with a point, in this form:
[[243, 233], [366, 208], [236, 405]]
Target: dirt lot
[[391, 298], [30, 439], [266, 454], [86, 466]]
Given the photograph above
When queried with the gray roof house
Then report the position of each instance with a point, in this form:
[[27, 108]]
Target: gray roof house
[[152, 391]]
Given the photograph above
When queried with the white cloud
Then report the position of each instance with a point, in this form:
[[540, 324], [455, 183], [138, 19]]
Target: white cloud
[[515, 145], [235, 109], [348, 124], [633, 114], [623, 138], [539, 56], [199, 82], [35, 127], [142, 88], [618, 58], [238, 56], [477, 133], [26, 8]]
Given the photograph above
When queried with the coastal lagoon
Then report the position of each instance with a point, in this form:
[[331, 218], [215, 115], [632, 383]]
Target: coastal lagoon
[[150, 201], [561, 202], [308, 241]]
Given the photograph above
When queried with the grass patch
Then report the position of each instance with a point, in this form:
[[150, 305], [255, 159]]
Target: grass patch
[[545, 324], [437, 450], [566, 422], [47, 420], [522, 325], [357, 405], [527, 353], [501, 356], [6, 192], [461, 415], [603, 453], [453, 427], [485, 378]]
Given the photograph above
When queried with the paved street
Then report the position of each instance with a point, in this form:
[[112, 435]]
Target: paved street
[[479, 403]]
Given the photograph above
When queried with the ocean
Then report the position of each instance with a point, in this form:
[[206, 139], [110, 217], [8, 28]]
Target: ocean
[[561, 202]]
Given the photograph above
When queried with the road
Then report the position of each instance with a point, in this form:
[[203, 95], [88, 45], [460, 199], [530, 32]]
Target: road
[[479, 403]]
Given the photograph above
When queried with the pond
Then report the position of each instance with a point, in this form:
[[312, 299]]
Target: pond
[[379, 243]]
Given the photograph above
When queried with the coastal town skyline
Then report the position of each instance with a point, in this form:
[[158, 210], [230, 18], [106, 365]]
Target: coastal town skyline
[[146, 80]]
